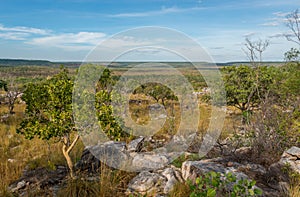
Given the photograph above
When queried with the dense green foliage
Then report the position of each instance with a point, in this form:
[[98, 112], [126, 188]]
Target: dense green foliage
[[49, 108], [3, 84], [246, 86], [49, 111], [213, 184], [293, 55], [157, 91], [112, 126]]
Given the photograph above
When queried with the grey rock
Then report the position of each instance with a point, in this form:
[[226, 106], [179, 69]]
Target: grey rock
[[173, 176], [136, 145], [192, 169], [112, 153], [40, 178], [148, 161], [20, 185], [289, 158], [294, 151], [147, 183]]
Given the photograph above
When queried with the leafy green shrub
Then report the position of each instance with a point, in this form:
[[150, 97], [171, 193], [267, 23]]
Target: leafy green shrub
[[212, 183]]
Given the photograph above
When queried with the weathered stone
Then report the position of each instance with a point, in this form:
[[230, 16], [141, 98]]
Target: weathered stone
[[288, 158], [147, 183], [40, 178], [18, 186], [112, 153], [148, 161], [136, 145], [192, 169], [173, 176], [294, 151]]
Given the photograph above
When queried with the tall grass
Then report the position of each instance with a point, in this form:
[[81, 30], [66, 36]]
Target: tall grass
[[18, 153]]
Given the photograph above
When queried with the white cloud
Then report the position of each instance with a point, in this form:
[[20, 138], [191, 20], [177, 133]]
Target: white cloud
[[162, 11], [279, 18], [74, 41], [277, 35], [13, 35], [270, 24], [249, 34], [20, 32], [21, 29], [281, 14]]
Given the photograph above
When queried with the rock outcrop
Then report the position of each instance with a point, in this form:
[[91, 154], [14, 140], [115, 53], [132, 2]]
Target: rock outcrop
[[157, 176]]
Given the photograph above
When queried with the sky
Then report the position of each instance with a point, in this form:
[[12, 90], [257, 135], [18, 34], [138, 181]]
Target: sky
[[67, 30]]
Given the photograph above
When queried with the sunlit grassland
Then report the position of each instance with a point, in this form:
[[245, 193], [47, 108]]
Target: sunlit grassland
[[18, 153]]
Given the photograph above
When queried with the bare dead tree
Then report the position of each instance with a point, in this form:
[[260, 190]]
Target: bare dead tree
[[12, 97], [12, 94], [293, 23], [255, 49], [260, 47], [250, 51]]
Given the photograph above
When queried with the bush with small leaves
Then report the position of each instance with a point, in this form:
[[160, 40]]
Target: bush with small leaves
[[213, 183]]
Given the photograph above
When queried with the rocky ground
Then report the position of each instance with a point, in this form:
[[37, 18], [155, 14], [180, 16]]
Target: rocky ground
[[156, 174]]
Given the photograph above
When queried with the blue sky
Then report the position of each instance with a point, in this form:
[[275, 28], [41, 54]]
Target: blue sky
[[66, 30]]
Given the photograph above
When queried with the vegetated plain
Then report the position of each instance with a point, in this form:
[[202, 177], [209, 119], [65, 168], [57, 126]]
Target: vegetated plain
[[17, 153]]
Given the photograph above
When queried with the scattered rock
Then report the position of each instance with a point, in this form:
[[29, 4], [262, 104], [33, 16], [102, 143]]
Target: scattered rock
[[156, 175], [147, 183], [113, 153], [136, 145], [291, 158], [18, 186], [148, 161], [295, 151], [173, 176], [192, 169], [40, 178]]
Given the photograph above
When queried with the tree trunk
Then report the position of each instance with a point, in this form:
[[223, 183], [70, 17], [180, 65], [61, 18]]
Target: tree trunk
[[66, 150], [11, 108]]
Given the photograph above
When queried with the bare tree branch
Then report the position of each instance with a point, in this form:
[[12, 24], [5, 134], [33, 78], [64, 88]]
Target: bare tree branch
[[255, 49], [293, 23]]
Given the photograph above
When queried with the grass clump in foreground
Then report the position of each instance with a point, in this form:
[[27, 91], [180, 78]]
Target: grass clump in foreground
[[110, 183]]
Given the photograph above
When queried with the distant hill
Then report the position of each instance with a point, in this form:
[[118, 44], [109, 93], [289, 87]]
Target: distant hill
[[22, 62], [25, 62]]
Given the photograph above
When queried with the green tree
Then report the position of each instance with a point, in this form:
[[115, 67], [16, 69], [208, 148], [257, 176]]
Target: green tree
[[158, 92], [112, 126], [293, 55], [3, 84], [48, 112], [246, 87]]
